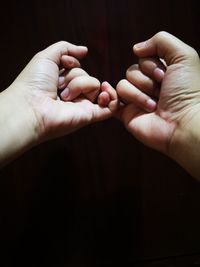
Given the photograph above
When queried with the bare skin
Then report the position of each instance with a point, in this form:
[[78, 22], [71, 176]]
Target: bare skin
[[31, 110], [163, 99]]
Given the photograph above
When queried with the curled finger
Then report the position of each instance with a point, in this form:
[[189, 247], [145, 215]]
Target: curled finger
[[143, 82], [68, 75], [132, 94], [69, 62], [81, 85], [153, 68]]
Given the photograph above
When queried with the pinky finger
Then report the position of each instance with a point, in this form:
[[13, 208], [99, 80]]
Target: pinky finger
[[103, 99], [113, 102]]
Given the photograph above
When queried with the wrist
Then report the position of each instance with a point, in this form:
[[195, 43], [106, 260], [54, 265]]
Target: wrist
[[18, 123], [185, 146]]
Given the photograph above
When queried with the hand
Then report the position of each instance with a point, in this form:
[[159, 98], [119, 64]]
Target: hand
[[162, 100], [40, 81], [38, 113]]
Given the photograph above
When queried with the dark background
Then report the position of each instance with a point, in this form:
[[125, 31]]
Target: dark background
[[97, 197]]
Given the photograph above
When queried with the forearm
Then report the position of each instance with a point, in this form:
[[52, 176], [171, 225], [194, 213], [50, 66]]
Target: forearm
[[17, 126]]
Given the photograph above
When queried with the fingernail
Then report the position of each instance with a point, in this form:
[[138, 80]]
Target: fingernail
[[104, 99], [61, 80], [65, 93], [140, 45], [159, 74], [151, 104]]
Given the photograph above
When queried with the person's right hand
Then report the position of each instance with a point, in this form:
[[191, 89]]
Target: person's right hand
[[162, 100], [37, 87], [32, 110]]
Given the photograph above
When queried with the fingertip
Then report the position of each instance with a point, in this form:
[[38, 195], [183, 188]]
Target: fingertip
[[105, 86], [65, 94], [81, 52], [105, 83], [103, 99], [97, 82], [139, 47], [83, 48], [159, 74], [150, 105], [61, 80]]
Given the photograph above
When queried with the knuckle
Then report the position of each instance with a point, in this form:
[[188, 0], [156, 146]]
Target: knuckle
[[120, 85], [96, 82], [63, 45], [161, 35], [80, 80], [129, 72], [77, 83], [78, 72]]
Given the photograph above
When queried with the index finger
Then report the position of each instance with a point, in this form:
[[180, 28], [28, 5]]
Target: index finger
[[165, 46]]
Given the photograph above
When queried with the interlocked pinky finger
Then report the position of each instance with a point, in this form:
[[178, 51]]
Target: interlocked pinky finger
[[108, 97]]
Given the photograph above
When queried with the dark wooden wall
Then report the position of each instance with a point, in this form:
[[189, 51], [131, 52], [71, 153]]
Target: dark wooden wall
[[97, 197]]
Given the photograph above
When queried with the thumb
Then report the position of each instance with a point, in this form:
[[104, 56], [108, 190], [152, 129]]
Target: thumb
[[167, 47], [57, 50]]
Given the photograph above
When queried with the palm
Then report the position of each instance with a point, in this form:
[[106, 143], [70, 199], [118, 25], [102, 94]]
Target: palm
[[41, 77], [60, 118], [56, 117], [150, 128]]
